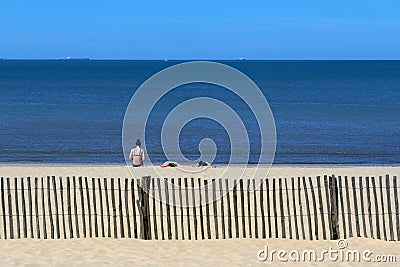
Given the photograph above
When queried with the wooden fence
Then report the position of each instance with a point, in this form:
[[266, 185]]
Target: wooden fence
[[315, 208]]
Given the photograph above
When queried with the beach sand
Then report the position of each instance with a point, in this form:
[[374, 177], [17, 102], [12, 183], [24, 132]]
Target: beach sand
[[114, 171], [122, 252], [130, 252]]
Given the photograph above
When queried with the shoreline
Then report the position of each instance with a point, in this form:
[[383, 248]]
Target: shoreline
[[85, 164]]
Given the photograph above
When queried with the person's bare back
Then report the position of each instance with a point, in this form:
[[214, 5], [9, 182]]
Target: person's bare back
[[137, 155]]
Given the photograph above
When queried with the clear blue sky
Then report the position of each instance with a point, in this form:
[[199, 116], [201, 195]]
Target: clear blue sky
[[270, 29]]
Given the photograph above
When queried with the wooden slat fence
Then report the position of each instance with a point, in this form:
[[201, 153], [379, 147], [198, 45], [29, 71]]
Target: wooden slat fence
[[312, 208]]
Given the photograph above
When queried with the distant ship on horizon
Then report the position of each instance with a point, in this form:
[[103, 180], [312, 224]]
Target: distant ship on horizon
[[75, 58]]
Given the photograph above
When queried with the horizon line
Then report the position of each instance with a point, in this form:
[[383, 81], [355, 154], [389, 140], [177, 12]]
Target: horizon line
[[203, 59]]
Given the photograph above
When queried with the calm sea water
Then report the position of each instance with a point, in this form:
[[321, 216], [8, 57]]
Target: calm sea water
[[325, 111]]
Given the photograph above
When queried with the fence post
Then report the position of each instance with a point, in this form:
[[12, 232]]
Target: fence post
[[10, 215], [173, 208], [333, 193], [16, 207], [169, 231], [143, 201], [187, 207]]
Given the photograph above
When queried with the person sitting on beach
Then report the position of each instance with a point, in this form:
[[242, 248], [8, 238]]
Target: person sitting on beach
[[137, 155]]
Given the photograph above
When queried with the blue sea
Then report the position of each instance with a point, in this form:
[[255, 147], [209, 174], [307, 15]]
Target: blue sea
[[326, 112]]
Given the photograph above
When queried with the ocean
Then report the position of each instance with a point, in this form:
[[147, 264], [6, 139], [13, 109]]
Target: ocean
[[326, 112]]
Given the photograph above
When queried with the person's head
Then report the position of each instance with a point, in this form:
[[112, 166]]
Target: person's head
[[138, 143]]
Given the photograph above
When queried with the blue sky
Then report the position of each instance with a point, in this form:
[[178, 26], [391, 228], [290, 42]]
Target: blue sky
[[222, 29]]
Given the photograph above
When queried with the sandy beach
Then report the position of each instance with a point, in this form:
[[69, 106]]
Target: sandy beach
[[129, 252], [114, 171], [122, 252]]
